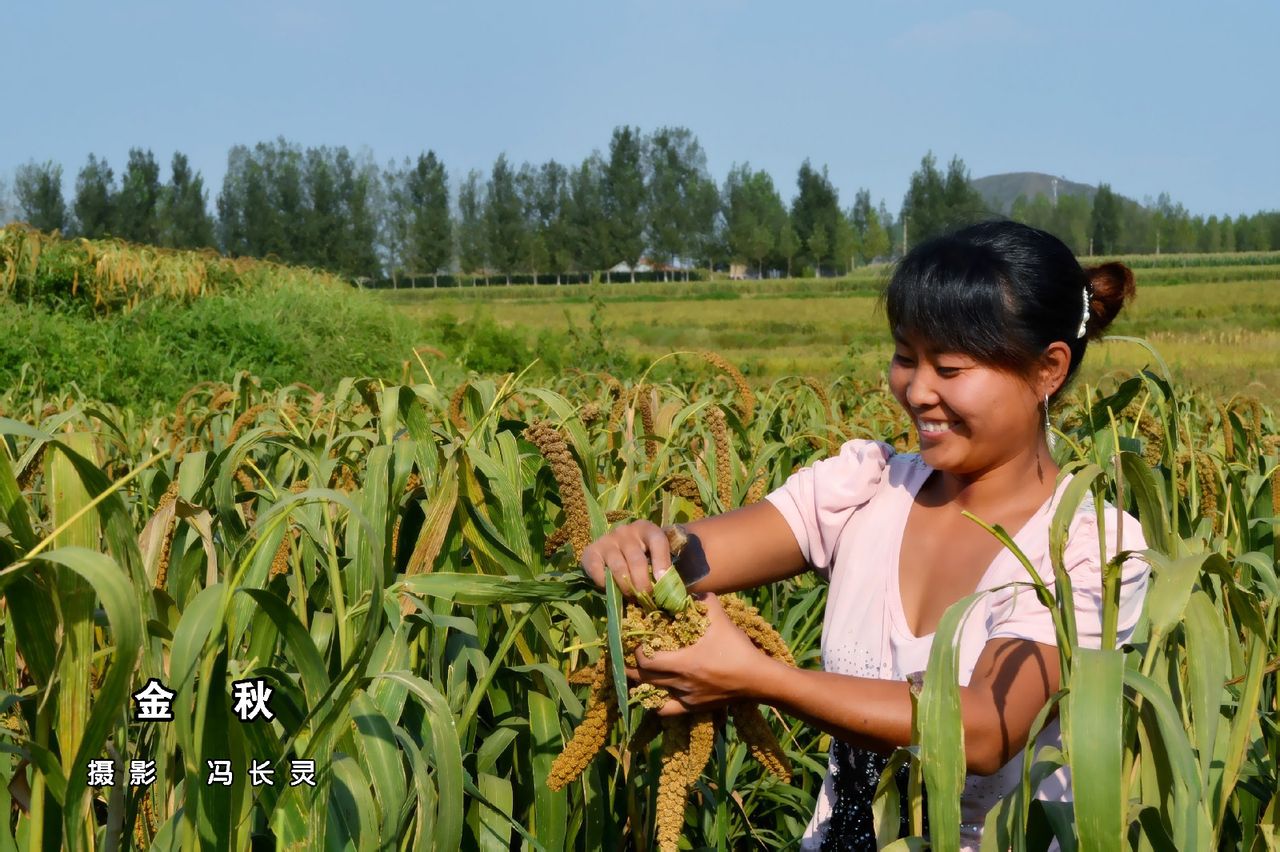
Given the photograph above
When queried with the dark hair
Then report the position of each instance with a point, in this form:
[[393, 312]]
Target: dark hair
[[1001, 292]]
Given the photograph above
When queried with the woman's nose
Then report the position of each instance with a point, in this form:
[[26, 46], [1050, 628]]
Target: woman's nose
[[920, 392]]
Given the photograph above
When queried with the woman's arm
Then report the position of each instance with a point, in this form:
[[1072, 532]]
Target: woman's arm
[[745, 548], [1011, 682]]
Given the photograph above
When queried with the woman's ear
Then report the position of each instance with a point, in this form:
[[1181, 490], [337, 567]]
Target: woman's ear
[[1054, 364]]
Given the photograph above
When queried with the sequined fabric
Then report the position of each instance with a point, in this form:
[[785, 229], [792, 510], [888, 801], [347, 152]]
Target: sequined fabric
[[851, 827]]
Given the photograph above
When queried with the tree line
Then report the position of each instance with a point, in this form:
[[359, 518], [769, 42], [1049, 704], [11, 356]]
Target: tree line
[[647, 197]]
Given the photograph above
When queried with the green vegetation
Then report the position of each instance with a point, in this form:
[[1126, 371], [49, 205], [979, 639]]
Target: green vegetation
[[391, 560], [133, 326], [1216, 319], [648, 196]]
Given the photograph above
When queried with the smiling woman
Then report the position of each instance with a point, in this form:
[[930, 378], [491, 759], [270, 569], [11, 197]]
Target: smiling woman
[[990, 325]]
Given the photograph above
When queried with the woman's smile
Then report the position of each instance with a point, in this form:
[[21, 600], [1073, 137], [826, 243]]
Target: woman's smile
[[933, 430]]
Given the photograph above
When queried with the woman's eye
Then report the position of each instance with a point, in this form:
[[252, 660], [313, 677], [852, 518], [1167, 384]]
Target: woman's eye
[[948, 372], [901, 359]]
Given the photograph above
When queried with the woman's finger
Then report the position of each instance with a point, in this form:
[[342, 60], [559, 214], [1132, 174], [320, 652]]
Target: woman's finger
[[593, 565], [659, 548], [638, 566], [616, 563]]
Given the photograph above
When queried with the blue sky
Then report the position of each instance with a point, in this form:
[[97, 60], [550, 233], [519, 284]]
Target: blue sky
[[1152, 97]]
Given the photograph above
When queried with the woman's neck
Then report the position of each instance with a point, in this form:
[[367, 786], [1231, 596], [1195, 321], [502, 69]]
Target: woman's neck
[[1029, 476]]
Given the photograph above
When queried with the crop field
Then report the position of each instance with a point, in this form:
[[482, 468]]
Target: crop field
[[1216, 320], [390, 564], [397, 564]]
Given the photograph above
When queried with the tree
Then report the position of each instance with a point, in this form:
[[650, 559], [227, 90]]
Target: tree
[[545, 191], [964, 203], [892, 227], [788, 244], [397, 219], [1069, 222], [430, 242], [184, 210], [589, 232], [94, 204], [504, 219], [681, 210], [318, 204], [1228, 234], [844, 243], [935, 204], [1211, 235], [472, 251], [262, 208], [624, 196], [6, 204], [816, 207], [819, 244], [1104, 221], [138, 202], [873, 239], [754, 215], [358, 189], [38, 188]]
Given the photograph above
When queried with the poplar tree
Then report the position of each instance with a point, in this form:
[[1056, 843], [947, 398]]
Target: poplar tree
[[589, 232], [1105, 221], [137, 204], [504, 219], [816, 207], [95, 199], [471, 232], [624, 196], [430, 242], [38, 188], [185, 220]]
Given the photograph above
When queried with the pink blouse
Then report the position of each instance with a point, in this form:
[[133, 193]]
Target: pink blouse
[[848, 514]]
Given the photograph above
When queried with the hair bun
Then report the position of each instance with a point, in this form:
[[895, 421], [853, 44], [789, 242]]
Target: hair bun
[[1111, 287]]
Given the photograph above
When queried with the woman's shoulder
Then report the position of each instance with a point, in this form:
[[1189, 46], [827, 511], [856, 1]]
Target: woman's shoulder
[[1119, 528], [851, 476], [873, 454], [870, 465]]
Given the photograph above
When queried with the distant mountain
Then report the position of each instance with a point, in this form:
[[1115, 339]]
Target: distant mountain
[[1000, 191]]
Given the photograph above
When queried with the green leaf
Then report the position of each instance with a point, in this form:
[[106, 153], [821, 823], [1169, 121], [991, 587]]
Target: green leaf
[[942, 728], [1095, 703]]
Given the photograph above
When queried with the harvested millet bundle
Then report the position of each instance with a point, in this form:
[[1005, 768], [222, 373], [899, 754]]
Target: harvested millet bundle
[[668, 620]]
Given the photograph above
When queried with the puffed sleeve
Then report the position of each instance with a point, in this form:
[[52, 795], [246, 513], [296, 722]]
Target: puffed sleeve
[[1019, 614], [818, 500]]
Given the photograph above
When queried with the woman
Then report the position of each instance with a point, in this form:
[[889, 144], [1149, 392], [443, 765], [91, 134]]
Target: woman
[[990, 325]]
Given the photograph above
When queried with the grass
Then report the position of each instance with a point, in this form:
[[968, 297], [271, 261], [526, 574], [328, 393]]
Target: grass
[[154, 352], [1219, 335]]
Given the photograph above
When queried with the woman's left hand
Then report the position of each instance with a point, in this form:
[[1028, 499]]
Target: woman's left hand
[[721, 667]]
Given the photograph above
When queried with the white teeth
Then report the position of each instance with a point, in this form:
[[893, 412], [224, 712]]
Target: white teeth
[[934, 427]]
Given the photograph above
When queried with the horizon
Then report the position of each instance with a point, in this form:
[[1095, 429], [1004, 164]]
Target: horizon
[[923, 77]]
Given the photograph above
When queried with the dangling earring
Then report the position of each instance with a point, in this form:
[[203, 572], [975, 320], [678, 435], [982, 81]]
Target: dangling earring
[[1048, 432]]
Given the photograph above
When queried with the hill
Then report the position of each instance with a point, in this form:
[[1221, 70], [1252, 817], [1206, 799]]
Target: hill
[[1000, 191]]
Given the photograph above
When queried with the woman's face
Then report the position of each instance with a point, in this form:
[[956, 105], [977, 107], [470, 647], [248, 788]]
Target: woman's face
[[984, 415]]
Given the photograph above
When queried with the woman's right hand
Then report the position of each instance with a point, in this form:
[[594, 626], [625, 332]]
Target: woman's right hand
[[628, 551]]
